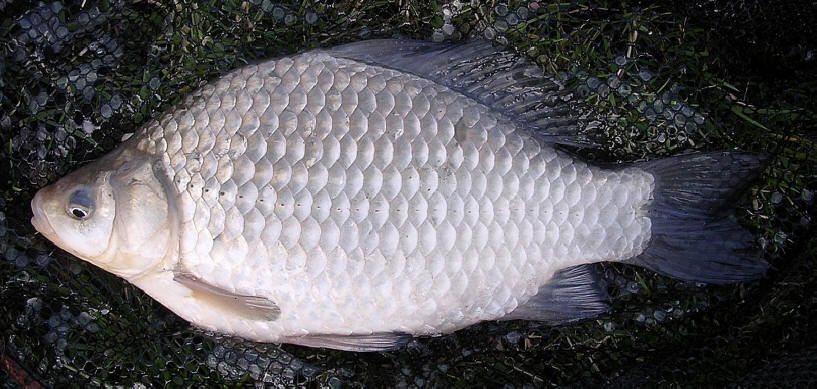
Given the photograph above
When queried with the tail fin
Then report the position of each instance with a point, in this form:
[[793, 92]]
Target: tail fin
[[692, 237]]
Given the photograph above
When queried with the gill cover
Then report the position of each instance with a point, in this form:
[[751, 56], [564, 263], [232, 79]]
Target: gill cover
[[144, 220]]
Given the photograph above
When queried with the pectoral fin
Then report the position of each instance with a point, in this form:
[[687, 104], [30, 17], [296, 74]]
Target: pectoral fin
[[248, 307], [381, 341]]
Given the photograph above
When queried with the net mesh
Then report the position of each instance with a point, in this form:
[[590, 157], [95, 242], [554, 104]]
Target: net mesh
[[75, 76]]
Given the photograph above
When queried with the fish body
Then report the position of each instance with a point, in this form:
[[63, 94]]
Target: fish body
[[350, 197]]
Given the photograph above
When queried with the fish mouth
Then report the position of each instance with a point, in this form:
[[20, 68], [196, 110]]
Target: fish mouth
[[40, 219]]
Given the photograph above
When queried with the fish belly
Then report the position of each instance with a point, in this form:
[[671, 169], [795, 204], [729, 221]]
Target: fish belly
[[361, 199]]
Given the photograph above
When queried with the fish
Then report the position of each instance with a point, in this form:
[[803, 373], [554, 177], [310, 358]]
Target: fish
[[357, 196]]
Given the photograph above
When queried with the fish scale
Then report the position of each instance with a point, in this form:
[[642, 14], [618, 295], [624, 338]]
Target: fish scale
[[350, 197], [402, 177]]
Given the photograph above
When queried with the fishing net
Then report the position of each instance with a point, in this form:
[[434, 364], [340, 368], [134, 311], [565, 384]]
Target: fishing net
[[663, 79]]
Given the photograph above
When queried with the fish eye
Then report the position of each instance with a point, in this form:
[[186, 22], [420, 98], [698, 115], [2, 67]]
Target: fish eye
[[80, 204]]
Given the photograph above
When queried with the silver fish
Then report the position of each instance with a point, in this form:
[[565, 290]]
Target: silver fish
[[354, 197]]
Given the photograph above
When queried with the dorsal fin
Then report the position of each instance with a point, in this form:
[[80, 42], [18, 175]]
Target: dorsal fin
[[502, 80]]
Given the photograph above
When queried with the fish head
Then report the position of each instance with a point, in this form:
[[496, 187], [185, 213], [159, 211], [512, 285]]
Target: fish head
[[114, 213]]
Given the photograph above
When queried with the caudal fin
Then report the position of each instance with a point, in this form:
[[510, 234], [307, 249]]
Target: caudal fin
[[693, 235]]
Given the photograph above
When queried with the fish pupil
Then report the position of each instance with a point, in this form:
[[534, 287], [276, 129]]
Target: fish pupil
[[79, 213]]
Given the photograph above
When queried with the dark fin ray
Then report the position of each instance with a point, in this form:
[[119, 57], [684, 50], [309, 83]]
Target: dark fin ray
[[502, 80], [248, 307], [572, 294], [693, 235], [381, 341]]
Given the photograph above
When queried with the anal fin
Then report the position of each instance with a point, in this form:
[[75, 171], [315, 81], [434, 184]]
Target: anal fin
[[572, 294], [244, 306], [379, 341]]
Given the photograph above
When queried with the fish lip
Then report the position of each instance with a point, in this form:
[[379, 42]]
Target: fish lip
[[39, 219]]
